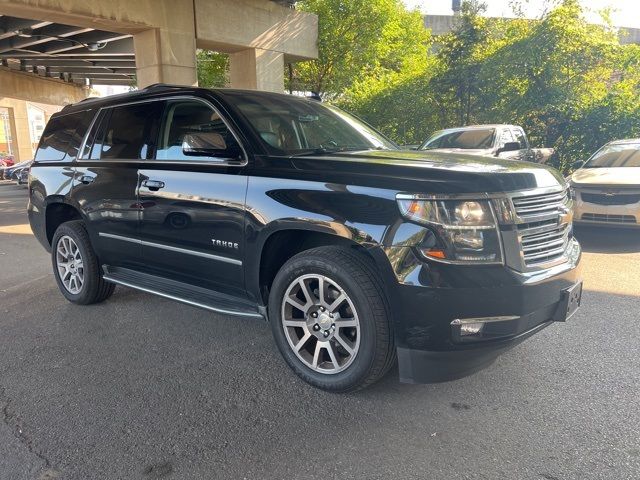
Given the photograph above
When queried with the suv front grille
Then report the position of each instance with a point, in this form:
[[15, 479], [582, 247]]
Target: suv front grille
[[539, 204], [542, 233], [544, 246]]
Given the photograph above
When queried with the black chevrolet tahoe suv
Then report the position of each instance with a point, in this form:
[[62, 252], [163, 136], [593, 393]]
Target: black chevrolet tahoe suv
[[265, 205]]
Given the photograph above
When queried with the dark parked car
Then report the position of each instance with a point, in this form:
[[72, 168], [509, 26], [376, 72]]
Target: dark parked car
[[22, 177], [10, 173], [271, 206]]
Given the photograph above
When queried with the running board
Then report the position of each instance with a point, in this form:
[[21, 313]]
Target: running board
[[181, 292]]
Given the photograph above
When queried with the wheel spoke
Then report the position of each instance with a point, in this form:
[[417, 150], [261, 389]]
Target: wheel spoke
[[332, 356], [303, 340], [316, 355], [321, 292], [296, 303], [308, 296], [346, 323], [294, 323], [344, 343], [337, 302]]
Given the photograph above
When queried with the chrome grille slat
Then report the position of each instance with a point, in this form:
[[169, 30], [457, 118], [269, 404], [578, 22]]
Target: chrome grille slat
[[524, 201], [542, 237], [610, 218], [544, 245]]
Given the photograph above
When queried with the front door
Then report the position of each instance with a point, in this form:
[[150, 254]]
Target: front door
[[192, 200]]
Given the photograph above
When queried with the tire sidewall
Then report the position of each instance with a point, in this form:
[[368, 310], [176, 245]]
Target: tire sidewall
[[362, 364]]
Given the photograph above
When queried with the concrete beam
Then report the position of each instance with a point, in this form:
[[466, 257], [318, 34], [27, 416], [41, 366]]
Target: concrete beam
[[26, 86], [232, 26], [166, 32], [257, 69], [164, 56]]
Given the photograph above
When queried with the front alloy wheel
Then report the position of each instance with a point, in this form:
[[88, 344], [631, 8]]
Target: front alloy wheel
[[320, 323], [331, 318]]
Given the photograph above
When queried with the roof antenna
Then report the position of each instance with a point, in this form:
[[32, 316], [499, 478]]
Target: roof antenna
[[315, 96]]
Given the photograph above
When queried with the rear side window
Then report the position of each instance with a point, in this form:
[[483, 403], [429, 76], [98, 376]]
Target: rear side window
[[127, 132], [62, 137]]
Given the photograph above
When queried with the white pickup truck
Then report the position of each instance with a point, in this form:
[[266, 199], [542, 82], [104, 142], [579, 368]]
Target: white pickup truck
[[504, 141]]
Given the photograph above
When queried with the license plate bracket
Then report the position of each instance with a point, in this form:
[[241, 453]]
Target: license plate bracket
[[569, 303]]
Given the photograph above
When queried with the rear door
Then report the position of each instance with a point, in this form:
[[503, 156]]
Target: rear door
[[192, 205], [106, 179]]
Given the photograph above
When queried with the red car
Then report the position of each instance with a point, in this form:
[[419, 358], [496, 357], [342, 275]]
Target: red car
[[5, 163]]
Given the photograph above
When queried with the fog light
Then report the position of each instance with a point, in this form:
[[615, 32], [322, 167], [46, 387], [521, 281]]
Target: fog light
[[470, 329]]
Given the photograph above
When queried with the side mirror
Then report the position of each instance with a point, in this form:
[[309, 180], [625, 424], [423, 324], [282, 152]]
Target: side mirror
[[509, 147], [203, 144]]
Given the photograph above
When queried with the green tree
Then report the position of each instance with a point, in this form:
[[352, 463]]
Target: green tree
[[358, 39], [212, 68]]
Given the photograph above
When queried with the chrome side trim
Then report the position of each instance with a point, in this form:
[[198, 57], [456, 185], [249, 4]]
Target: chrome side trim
[[180, 299], [462, 321], [210, 256]]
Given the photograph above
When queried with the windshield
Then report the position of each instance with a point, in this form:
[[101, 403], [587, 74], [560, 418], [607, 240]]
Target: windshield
[[290, 125], [623, 155], [475, 138]]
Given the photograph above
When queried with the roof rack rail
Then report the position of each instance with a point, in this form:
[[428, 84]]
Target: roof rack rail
[[162, 85]]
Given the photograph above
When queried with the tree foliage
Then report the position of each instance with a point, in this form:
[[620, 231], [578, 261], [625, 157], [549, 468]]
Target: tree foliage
[[212, 68], [571, 84], [358, 39]]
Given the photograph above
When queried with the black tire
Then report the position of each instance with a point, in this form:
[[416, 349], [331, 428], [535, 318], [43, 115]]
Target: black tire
[[360, 280], [94, 289]]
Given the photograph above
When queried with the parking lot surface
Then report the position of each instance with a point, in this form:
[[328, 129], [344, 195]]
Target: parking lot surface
[[140, 387]]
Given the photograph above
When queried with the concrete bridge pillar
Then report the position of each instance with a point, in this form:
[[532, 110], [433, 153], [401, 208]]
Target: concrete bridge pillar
[[19, 127], [257, 69]]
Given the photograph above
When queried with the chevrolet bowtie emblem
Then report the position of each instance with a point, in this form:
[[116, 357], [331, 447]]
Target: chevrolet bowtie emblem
[[566, 214]]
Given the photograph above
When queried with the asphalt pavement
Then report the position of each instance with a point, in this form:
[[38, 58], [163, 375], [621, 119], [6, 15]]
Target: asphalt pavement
[[140, 387]]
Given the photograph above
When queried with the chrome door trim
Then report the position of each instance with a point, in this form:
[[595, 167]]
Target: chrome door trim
[[221, 162], [137, 241]]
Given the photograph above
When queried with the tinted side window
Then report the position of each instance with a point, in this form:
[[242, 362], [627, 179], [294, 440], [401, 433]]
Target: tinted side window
[[129, 132], [520, 138], [62, 137], [505, 137], [199, 124]]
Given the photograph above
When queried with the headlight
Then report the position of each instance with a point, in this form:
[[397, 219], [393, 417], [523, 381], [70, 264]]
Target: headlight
[[464, 231]]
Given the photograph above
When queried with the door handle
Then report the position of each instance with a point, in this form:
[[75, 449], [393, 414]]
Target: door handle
[[153, 185], [86, 179]]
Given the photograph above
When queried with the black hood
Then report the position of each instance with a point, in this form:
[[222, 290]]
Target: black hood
[[431, 171]]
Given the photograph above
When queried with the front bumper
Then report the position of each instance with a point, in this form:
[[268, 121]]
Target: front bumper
[[429, 296]]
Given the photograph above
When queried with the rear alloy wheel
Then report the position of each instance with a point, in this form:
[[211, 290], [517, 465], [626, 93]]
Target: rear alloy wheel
[[70, 265], [331, 319], [75, 265]]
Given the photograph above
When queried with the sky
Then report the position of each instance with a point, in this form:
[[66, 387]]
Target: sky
[[625, 13]]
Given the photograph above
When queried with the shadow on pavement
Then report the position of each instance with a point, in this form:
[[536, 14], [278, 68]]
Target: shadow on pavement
[[608, 239]]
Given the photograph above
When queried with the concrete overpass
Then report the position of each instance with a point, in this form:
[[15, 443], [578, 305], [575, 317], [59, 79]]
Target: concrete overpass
[[51, 50], [443, 24]]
